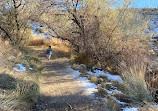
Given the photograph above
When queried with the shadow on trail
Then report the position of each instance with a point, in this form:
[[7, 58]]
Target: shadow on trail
[[55, 65], [76, 103]]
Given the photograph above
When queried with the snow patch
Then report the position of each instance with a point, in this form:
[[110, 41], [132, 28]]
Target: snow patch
[[130, 109], [97, 72], [109, 76], [90, 88], [22, 68], [155, 105], [31, 68], [112, 91], [114, 77], [109, 83]]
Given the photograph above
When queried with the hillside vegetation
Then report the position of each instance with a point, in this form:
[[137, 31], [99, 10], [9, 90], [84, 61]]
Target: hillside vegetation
[[97, 33], [18, 90]]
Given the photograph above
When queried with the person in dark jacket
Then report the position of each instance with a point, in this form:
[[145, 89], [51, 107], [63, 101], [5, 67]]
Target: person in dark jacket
[[49, 53]]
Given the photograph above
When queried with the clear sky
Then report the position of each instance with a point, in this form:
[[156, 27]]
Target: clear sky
[[146, 3]]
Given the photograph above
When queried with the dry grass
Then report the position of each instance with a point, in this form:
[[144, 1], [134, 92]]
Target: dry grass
[[27, 92], [17, 94], [106, 86], [20, 99], [20, 88], [84, 75], [94, 79], [85, 58], [135, 84], [82, 58], [156, 44], [8, 101], [112, 105], [120, 87], [30, 59], [57, 44], [149, 107], [61, 49], [83, 69], [152, 79], [36, 42], [103, 77], [101, 92], [75, 67]]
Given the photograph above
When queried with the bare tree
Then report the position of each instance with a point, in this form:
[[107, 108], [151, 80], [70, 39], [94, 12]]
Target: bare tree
[[99, 28]]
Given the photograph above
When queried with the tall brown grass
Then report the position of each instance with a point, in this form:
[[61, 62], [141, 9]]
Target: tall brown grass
[[152, 79], [18, 91], [8, 101], [36, 42], [22, 98]]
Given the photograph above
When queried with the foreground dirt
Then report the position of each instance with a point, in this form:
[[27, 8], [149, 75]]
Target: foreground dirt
[[60, 92]]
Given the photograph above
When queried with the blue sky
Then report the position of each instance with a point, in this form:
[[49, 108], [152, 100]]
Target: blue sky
[[146, 4]]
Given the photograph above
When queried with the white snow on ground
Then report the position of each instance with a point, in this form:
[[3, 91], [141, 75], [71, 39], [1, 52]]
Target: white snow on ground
[[109, 83], [22, 68], [114, 78], [156, 105], [97, 72], [89, 87], [130, 109], [113, 91], [31, 68], [75, 74], [109, 76]]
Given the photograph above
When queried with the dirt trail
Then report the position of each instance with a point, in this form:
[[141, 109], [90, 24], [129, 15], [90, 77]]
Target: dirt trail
[[60, 92]]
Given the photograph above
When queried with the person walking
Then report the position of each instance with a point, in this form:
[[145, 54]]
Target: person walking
[[49, 53]]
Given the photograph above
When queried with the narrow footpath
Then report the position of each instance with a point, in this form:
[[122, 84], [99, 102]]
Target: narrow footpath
[[59, 91]]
